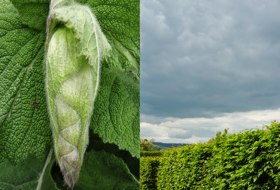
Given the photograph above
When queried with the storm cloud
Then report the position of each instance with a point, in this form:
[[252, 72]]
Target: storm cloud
[[200, 57], [204, 58]]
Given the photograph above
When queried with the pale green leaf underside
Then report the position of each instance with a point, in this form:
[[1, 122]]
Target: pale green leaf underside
[[79, 18], [119, 89], [75, 45]]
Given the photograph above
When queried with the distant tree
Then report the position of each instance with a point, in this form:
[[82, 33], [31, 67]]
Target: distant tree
[[148, 145]]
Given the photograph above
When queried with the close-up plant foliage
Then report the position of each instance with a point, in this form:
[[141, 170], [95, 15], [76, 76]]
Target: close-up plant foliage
[[69, 94]]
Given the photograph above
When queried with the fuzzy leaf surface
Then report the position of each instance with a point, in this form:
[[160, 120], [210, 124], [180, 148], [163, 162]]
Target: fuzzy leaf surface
[[109, 172], [24, 123], [26, 176], [33, 12], [116, 112], [120, 22]]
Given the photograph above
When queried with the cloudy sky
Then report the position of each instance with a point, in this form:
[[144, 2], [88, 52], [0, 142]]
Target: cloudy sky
[[208, 65]]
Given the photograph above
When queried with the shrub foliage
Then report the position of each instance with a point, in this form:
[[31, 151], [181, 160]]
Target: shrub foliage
[[151, 153], [148, 145], [148, 173], [247, 160]]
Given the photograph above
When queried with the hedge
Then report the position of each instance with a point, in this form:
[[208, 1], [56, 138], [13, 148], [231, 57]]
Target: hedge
[[247, 160], [148, 173], [151, 153], [184, 168]]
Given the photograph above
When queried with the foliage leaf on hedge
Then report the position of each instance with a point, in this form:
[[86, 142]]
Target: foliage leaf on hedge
[[246, 160], [151, 153], [148, 171]]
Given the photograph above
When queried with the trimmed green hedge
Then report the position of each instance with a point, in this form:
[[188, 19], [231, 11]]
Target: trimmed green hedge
[[148, 173], [247, 160], [184, 168], [151, 153]]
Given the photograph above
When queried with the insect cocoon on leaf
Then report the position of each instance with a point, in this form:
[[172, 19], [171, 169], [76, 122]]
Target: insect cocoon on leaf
[[73, 55]]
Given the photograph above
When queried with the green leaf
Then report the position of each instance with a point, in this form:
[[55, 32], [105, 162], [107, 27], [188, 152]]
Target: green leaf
[[46, 181], [97, 144], [120, 22], [33, 12], [102, 170], [26, 176], [121, 26], [116, 113], [24, 123]]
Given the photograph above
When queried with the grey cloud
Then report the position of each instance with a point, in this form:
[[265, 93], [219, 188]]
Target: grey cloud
[[200, 58], [192, 130]]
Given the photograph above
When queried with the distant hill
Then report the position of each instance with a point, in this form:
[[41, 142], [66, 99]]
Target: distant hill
[[168, 145]]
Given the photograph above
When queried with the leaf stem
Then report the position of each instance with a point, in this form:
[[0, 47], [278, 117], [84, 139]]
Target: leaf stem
[[40, 180]]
